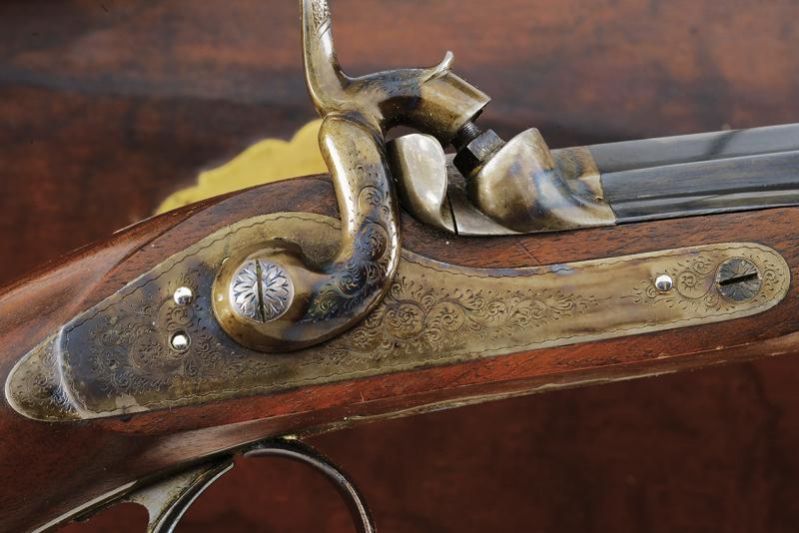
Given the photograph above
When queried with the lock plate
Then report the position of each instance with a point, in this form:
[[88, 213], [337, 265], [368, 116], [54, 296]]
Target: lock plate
[[116, 358]]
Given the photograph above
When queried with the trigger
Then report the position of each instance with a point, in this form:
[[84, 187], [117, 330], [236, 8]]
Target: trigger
[[166, 501]]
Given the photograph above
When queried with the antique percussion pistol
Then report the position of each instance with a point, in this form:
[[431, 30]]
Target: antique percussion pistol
[[437, 269]]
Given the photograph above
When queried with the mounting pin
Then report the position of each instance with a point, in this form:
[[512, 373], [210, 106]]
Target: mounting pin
[[183, 296], [664, 283], [179, 341]]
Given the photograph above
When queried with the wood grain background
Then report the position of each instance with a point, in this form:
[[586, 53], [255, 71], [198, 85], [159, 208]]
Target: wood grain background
[[106, 107]]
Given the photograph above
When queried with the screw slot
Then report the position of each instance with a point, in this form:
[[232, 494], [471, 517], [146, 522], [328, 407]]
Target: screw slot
[[738, 279], [261, 291]]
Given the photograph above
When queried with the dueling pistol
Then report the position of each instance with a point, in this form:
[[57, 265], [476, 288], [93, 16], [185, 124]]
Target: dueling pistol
[[412, 279]]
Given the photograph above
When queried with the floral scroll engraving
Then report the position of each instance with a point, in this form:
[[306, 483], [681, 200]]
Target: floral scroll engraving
[[695, 286], [424, 319], [116, 357]]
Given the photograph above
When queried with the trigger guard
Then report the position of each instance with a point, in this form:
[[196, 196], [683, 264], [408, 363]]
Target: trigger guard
[[168, 500]]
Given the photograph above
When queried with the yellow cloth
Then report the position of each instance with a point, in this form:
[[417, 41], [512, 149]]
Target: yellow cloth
[[264, 162]]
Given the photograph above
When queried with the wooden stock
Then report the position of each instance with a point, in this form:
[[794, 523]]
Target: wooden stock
[[48, 469]]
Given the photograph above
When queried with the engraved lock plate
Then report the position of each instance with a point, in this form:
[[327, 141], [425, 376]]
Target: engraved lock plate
[[115, 358]]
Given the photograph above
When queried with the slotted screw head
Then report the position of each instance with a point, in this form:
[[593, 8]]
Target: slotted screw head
[[738, 279], [261, 291]]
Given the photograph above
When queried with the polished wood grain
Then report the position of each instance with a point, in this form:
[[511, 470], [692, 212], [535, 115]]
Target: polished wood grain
[[107, 107]]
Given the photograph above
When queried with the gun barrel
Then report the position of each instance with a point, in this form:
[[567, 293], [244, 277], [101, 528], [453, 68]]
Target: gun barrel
[[700, 174]]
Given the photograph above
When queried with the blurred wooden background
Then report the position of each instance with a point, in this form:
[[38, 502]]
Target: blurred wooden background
[[106, 107]]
